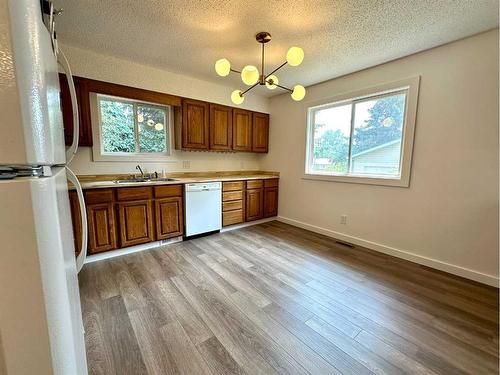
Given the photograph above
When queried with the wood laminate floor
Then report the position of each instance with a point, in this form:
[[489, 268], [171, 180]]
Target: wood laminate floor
[[274, 298]]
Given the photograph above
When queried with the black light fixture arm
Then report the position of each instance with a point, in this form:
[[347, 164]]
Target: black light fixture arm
[[284, 88], [251, 87], [278, 68]]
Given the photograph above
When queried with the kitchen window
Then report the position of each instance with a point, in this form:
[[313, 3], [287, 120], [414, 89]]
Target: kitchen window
[[364, 136], [129, 130]]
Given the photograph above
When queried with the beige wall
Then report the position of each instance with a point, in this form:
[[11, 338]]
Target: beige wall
[[106, 68], [448, 217]]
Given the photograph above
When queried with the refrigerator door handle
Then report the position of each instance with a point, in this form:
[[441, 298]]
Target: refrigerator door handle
[[71, 151], [80, 259]]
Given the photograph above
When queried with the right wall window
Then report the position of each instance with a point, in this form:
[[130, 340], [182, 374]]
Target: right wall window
[[364, 138]]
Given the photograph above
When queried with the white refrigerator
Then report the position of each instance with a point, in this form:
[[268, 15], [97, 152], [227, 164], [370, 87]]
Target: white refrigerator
[[41, 329]]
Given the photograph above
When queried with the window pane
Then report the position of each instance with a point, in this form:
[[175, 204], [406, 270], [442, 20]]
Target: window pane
[[378, 125], [117, 126], [152, 129], [331, 139]]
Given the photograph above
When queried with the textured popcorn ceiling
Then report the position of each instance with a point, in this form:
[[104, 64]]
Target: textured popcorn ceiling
[[338, 37]]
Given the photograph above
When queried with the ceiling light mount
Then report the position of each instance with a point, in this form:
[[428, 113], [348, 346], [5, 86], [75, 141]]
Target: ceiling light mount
[[251, 76], [263, 37]]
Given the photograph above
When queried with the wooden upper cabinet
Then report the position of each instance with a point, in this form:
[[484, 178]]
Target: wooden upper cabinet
[[169, 218], [221, 127], [195, 125], [242, 130], [136, 222], [83, 99], [260, 132]]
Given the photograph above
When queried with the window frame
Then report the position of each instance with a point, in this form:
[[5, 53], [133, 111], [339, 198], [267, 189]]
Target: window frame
[[408, 85], [97, 148]]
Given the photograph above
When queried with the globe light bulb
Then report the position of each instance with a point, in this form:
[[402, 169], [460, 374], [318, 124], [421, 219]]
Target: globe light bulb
[[159, 126], [298, 93], [250, 75], [294, 56], [236, 97], [272, 78], [222, 67]]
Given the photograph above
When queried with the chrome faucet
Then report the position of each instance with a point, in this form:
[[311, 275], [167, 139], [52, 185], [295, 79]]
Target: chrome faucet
[[138, 167]]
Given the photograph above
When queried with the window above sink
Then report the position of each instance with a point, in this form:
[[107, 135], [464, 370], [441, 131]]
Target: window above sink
[[129, 130]]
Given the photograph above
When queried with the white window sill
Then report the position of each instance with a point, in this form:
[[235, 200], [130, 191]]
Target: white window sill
[[382, 181], [163, 158]]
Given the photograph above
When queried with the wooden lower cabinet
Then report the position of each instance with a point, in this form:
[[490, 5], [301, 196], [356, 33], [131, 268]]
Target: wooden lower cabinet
[[254, 204], [136, 222], [233, 217], [169, 218], [249, 200], [102, 227], [270, 201], [127, 216], [271, 197], [232, 202]]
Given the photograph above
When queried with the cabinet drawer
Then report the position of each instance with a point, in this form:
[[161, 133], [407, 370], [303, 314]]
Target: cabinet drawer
[[232, 196], [98, 196], [271, 183], [232, 217], [232, 186], [134, 193], [254, 184], [232, 205], [168, 191]]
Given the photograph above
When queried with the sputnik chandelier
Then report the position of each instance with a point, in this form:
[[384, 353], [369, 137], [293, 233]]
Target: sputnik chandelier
[[251, 77]]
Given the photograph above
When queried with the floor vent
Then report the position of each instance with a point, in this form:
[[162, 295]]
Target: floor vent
[[345, 244]]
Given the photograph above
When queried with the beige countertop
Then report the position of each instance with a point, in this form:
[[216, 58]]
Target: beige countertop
[[97, 182]]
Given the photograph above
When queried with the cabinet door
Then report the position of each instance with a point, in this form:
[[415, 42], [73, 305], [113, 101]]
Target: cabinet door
[[221, 127], [82, 94], [136, 222], [254, 204], [195, 125], [102, 227], [76, 220], [169, 221], [242, 130], [270, 201], [260, 132]]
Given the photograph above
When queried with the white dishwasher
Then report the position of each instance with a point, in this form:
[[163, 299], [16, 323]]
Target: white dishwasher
[[203, 207]]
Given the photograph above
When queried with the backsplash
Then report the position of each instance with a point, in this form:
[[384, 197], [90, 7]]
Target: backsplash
[[180, 161]]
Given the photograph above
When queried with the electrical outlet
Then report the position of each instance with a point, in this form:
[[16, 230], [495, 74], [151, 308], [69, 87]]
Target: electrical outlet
[[186, 164], [242, 165], [343, 219]]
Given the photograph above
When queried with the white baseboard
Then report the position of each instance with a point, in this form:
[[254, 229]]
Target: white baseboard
[[412, 257], [130, 250]]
